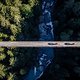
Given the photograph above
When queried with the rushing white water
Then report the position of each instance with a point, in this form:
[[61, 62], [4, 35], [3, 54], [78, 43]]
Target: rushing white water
[[46, 34]]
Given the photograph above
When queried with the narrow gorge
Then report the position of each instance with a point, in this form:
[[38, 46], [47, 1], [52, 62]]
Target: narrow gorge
[[46, 31]]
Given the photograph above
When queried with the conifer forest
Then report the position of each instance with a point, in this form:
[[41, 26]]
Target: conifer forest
[[19, 20]]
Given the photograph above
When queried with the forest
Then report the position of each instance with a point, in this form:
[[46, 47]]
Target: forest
[[19, 21]]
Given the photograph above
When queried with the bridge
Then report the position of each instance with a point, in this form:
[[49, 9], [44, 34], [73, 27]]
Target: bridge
[[40, 44]]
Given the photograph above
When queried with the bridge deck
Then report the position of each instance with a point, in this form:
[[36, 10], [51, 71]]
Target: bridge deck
[[40, 44]]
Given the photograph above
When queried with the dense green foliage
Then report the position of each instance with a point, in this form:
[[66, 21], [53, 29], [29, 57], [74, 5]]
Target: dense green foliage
[[19, 21], [67, 20], [16, 17]]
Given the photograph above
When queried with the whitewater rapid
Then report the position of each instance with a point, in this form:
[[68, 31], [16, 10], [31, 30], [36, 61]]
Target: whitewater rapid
[[46, 29]]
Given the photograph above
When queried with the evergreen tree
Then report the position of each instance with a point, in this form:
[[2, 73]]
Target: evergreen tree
[[13, 14]]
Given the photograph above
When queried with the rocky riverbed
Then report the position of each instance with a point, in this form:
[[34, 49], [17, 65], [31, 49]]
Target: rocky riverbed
[[45, 55]]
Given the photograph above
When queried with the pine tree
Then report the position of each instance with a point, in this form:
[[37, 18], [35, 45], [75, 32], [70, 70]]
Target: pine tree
[[13, 14]]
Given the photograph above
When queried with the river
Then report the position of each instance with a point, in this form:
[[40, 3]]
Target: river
[[46, 29]]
